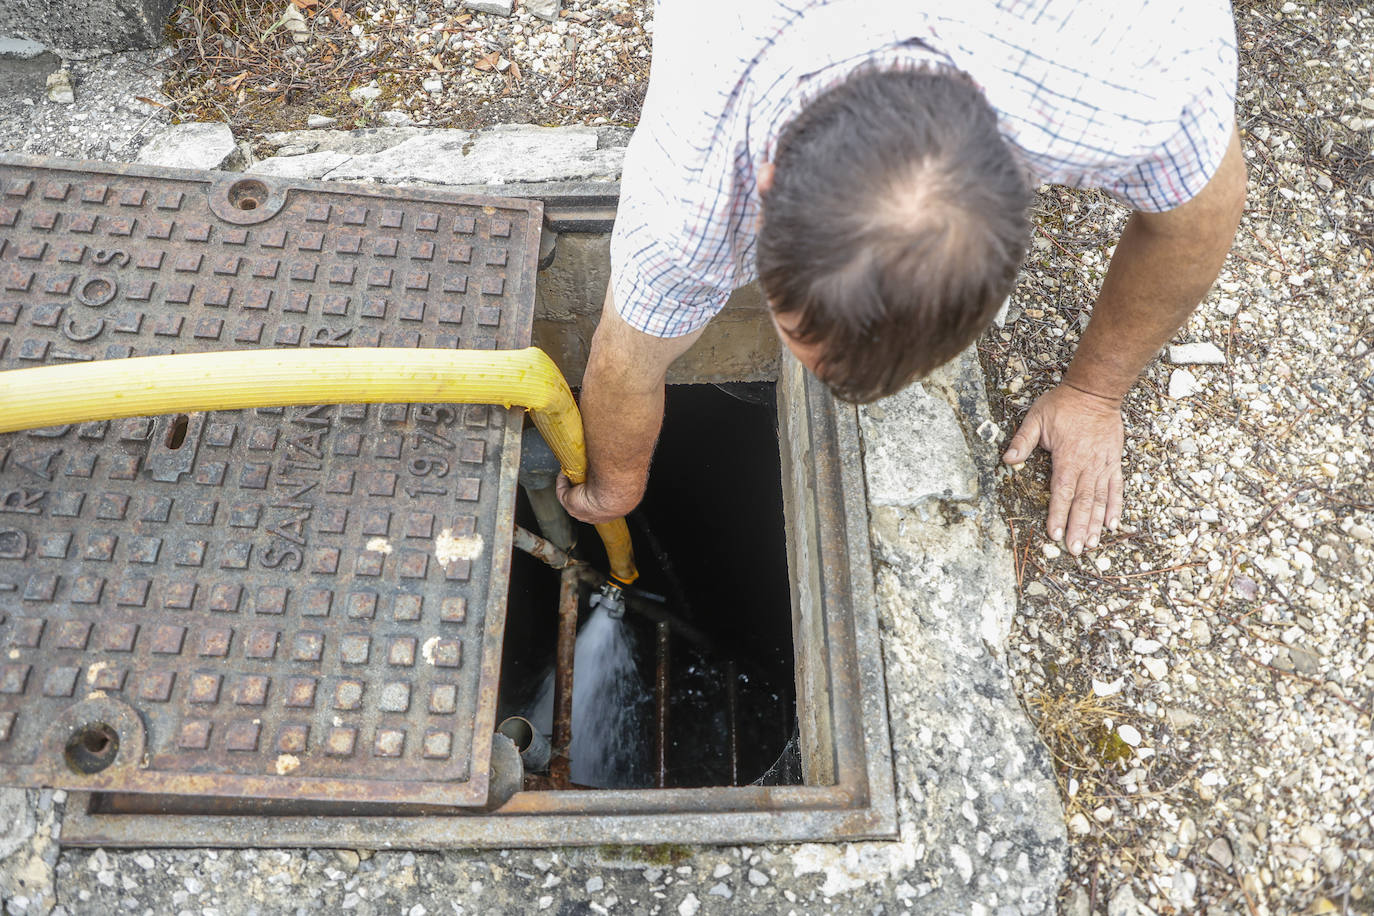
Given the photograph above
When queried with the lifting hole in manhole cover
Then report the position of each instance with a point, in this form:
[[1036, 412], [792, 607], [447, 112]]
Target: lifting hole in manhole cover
[[247, 194], [92, 748]]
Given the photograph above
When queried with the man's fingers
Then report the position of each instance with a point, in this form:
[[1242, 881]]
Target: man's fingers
[[1080, 513], [1099, 511], [1025, 440], [1115, 489], [1063, 486]]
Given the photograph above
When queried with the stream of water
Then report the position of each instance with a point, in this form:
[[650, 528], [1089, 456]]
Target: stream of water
[[610, 745]]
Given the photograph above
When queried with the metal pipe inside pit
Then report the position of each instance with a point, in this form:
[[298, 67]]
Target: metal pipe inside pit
[[661, 703], [560, 768]]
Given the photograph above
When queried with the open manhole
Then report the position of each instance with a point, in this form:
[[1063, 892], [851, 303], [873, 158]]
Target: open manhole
[[233, 629]]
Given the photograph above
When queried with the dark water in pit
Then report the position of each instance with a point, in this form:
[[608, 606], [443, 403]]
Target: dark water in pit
[[714, 510]]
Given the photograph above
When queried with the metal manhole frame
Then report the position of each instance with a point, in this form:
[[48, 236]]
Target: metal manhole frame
[[827, 507]]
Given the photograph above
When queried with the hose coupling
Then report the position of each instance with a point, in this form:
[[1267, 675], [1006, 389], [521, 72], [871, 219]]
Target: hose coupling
[[610, 596]]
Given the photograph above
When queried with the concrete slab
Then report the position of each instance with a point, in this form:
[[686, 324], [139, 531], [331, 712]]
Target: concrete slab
[[113, 25], [25, 66], [192, 145], [494, 158]]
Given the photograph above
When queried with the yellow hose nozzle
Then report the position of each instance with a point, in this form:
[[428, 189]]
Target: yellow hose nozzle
[[238, 380]]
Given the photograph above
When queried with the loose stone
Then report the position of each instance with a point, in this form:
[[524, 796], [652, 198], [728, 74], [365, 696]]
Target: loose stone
[[1220, 852], [1183, 384], [60, 88], [364, 94], [544, 9], [495, 7], [1196, 354]]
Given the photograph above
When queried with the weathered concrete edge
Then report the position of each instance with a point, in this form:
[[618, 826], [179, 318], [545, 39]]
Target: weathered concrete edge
[[977, 796]]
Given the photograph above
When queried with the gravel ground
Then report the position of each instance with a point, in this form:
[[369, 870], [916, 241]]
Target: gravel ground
[[1206, 678], [115, 113], [398, 62]]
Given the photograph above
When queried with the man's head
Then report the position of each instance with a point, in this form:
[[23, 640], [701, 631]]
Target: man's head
[[894, 219]]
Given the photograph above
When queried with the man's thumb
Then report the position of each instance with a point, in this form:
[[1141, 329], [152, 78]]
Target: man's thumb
[[1025, 440]]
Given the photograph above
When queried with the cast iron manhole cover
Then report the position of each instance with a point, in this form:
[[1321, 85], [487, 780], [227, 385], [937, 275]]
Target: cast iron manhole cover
[[300, 603]]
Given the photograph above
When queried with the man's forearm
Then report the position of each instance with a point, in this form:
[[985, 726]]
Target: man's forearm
[[1163, 266], [622, 411]]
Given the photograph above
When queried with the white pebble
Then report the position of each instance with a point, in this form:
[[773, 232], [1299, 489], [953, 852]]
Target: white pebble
[[1183, 384], [1105, 689], [1129, 734], [1196, 354]]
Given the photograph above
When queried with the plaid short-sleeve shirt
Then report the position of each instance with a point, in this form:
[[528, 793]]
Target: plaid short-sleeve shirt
[[1135, 97]]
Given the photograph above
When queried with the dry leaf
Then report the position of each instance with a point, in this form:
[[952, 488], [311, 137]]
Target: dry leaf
[[341, 17], [488, 61], [305, 5], [148, 101], [514, 71]]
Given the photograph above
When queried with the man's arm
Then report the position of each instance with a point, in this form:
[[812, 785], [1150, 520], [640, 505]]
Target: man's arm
[[622, 411], [1163, 266]]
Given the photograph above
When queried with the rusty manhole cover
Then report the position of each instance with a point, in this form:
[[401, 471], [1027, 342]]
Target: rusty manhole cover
[[301, 603]]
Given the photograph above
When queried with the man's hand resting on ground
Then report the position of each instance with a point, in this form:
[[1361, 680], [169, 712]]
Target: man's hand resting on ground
[[1084, 434], [1162, 268]]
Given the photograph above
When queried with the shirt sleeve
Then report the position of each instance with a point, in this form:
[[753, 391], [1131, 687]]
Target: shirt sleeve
[[660, 260], [1175, 171], [683, 237]]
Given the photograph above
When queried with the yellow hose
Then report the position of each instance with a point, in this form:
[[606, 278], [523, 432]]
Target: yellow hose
[[237, 380]]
